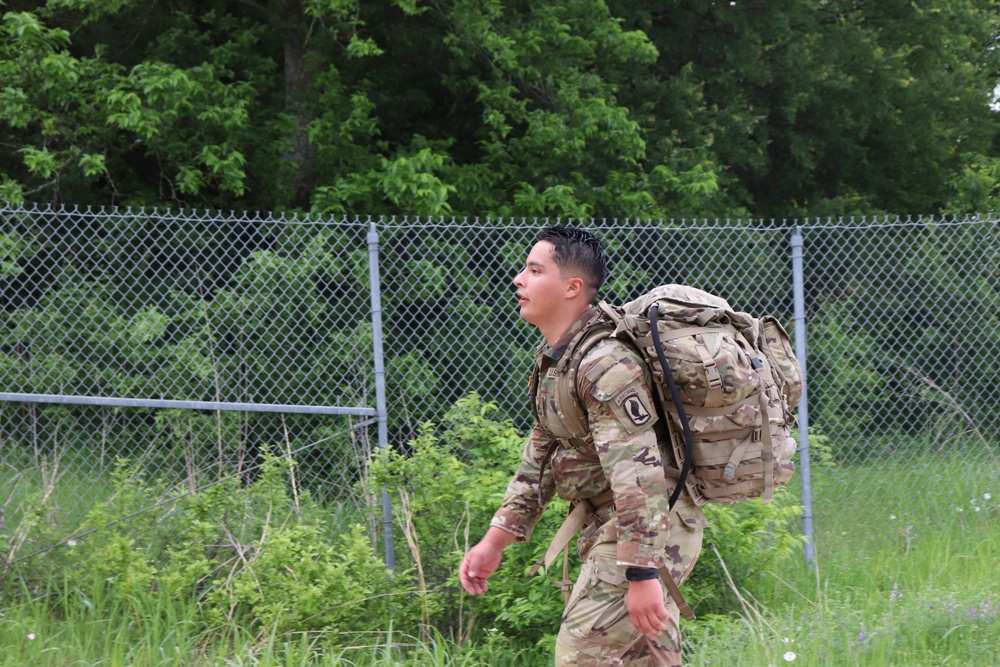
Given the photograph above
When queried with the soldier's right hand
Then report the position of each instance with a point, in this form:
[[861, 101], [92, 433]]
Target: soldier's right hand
[[477, 566], [483, 560]]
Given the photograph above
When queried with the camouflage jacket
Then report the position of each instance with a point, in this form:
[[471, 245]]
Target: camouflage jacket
[[620, 452]]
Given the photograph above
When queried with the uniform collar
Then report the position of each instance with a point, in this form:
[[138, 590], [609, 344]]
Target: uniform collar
[[555, 352]]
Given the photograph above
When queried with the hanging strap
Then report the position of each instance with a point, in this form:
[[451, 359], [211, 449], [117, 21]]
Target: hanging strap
[[675, 593], [767, 452], [581, 513]]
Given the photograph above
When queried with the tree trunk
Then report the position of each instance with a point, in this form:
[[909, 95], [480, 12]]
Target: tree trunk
[[298, 79]]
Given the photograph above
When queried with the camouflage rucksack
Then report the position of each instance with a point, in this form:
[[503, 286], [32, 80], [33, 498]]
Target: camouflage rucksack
[[728, 397]]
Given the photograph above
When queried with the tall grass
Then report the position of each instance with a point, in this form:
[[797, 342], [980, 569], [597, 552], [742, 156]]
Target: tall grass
[[150, 630], [889, 587], [897, 585], [935, 604]]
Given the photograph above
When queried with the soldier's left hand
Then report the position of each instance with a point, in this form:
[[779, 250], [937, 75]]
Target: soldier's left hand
[[646, 606]]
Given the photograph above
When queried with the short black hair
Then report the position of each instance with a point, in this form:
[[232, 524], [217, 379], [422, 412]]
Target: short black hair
[[579, 250]]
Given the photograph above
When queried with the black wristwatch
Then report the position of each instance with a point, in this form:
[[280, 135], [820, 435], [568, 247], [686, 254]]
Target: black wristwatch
[[641, 573]]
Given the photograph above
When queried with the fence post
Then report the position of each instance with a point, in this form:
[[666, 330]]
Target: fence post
[[805, 475], [380, 404]]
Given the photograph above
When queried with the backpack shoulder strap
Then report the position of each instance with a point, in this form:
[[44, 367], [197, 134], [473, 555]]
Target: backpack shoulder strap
[[567, 398]]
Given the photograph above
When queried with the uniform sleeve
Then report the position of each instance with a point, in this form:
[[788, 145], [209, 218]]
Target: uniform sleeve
[[612, 384], [530, 490]]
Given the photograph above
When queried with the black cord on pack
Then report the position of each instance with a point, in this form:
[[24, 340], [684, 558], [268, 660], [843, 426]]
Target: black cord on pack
[[676, 396]]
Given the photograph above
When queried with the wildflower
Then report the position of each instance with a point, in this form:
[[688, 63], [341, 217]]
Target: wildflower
[[959, 509], [986, 496], [894, 594], [31, 636], [71, 543], [978, 508], [789, 657], [892, 517]]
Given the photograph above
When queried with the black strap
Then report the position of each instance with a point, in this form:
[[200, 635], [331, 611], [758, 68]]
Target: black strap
[[676, 396]]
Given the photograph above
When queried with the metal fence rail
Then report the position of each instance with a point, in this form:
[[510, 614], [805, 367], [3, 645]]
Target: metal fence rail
[[193, 341]]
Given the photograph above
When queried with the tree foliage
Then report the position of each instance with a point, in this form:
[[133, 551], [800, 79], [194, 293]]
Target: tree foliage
[[431, 107], [830, 107]]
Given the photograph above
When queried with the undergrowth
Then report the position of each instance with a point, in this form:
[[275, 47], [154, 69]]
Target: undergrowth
[[253, 573]]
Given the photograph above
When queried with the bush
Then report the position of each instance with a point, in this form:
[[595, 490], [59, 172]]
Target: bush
[[445, 489], [449, 483], [255, 555], [267, 559]]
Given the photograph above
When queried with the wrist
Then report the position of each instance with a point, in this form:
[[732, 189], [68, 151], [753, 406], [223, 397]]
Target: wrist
[[497, 538], [641, 573]]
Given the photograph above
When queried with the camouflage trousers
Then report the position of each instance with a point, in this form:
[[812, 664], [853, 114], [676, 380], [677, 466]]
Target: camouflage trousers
[[596, 628]]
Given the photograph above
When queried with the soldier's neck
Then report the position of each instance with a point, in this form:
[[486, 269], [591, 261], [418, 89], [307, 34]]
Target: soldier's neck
[[553, 330]]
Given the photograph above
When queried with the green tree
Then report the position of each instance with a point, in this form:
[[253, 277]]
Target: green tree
[[817, 107], [194, 103], [573, 109]]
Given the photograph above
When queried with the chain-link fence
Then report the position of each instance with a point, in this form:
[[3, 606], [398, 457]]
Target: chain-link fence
[[193, 342], [903, 337], [186, 344]]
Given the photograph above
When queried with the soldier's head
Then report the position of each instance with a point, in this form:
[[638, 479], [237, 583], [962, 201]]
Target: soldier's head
[[578, 252], [562, 274]]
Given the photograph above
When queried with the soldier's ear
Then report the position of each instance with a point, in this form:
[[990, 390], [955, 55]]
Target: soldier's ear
[[575, 287]]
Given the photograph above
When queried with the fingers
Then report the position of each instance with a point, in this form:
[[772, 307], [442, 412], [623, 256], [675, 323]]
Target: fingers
[[650, 624], [646, 607], [469, 576], [475, 586], [480, 562]]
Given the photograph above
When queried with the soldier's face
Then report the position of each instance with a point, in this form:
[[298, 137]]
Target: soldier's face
[[541, 287]]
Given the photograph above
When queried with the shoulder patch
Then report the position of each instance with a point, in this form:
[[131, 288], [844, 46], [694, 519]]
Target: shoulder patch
[[634, 408], [630, 409], [614, 379]]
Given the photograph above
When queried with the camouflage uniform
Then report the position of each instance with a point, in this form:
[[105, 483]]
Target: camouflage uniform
[[621, 452]]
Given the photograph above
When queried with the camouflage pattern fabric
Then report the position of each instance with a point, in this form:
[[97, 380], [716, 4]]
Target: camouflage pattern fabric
[[596, 628], [738, 380], [620, 451], [623, 454], [737, 376], [779, 350]]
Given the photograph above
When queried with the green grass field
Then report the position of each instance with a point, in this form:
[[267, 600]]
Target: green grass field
[[905, 574], [896, 586]]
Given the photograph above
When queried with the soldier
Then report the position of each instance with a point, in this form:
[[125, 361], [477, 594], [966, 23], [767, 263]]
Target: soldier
[[618, 612]]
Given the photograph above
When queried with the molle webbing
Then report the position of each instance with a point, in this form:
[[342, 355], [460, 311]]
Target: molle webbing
[[714, 394], [725, 382]]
